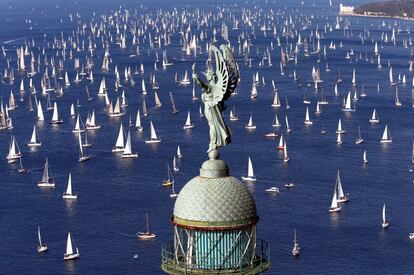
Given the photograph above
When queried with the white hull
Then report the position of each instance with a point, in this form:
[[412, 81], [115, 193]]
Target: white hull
[[45, 184], [42, 248], [185, 127], [385, 225], [56, 122], [273, 190], [335, 209], [69, 196], [93, 127], [247, 178], [374, 120], [34, 144], [348, 110], [71, 256], [116, 115], [117, 150], [173, 195], [308, 122], [146, 236], [250, 127], [343, 199], [153, 141], [386, 140], [78, 131], [130, 156], [84, 158]]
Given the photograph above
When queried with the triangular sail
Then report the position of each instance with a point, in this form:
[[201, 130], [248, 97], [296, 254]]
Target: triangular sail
[[250, 172], [69, 188], [120, 140], [69, 249]]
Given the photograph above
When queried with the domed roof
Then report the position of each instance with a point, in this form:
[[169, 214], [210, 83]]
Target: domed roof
[[218, 201]]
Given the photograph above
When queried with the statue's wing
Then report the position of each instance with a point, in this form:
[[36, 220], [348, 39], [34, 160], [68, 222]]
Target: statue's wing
[[233, 70], [221, 74]]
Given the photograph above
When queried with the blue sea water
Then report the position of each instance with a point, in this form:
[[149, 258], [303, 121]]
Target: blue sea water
[[115, 193]]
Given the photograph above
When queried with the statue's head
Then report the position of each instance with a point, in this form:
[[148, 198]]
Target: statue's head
[[210, 75]]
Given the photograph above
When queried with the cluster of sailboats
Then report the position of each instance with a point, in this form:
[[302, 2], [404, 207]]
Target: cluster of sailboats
[[118, 89]]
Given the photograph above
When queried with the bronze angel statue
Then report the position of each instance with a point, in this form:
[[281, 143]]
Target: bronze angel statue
[[218, 88]]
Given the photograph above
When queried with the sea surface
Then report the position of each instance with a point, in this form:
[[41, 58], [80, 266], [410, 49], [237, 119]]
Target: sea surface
[[114, 194]]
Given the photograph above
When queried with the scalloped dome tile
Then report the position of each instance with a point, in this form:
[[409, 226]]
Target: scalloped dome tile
[[215, 199]]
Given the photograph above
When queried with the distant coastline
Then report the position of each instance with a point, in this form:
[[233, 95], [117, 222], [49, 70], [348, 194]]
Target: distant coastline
[[403, 9]]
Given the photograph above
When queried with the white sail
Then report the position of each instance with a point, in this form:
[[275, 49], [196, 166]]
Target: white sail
[[69, 248], [69, 188], [55, 116], [80, 144], [138, 121], [34, 136], [120, 140], [384, 220], [39, 236], [339, 186], [334, 203], [40, 111], [364, 156], [128, 148], [250, 171], [153, 133]]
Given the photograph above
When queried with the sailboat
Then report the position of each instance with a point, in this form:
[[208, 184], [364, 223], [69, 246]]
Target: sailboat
[[359, 139], [386, 135], [250, 173], [334, 204], [285, 154], [55, 116], [175, 167], [340, 130], [91, 122], [146, 235], [276, 101], [116, 112], [276, 122], [281, 145], [119, 145], [174, 108], [21, 169], [364, 157], [47, 179], [385, 223], [188, 124], [307, 119], [397, 99], [34, 141], [169, 181], [42, 247], [14, 151], [339, 139], [374, 117], [250, 125], [340, 192], [179, 155], [68, 194], [70, 253], [173, 193], [154, 138], [78, 126], [128, 148], [348, 104], [296, 247], [288, 129], [234, 116], [138, 122], [82, 156], [186, 80]]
